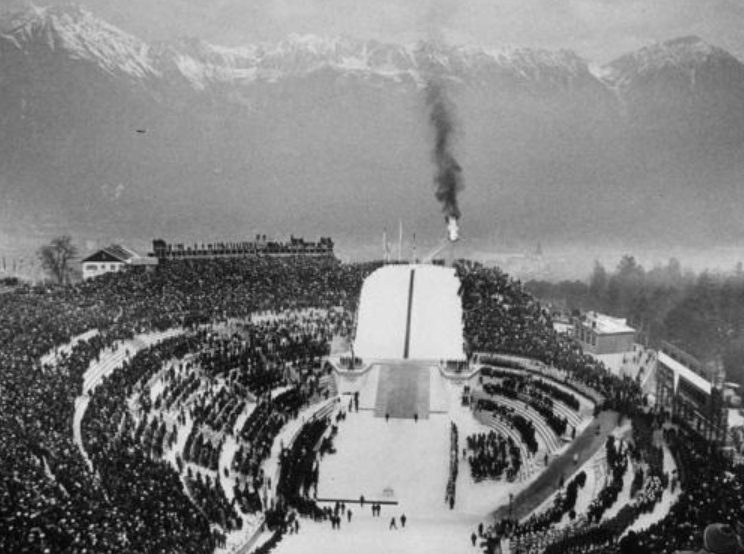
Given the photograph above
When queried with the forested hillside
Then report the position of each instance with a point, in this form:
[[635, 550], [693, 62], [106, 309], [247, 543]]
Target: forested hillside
[[702, 313]]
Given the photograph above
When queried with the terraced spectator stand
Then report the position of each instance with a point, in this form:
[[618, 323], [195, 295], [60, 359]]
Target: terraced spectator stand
[[56, 354], [110, 360], [529, 463], [50, 481], [324, 409], [539, 368], [522, 404], [37, 444], [288, 437]]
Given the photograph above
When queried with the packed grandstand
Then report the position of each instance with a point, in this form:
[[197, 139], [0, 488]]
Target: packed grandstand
[[198, 408]]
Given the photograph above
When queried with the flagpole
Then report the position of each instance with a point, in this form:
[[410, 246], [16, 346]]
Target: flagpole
[[385, 255], [400, 239]]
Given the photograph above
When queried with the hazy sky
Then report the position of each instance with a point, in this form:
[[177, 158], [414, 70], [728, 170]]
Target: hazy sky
[[596, 29]]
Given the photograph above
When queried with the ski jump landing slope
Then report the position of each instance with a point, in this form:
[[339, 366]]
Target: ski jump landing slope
[[410, 312]]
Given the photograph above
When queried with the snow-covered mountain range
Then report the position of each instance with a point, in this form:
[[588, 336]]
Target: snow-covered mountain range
[[258, 133], [80, 35]]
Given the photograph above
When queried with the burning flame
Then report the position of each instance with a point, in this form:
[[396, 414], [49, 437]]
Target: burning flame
[[453, 229]]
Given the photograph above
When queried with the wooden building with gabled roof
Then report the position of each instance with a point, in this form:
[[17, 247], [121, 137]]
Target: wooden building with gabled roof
[[113, 258]]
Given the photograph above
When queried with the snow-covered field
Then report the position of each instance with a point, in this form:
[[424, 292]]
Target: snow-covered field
[[368, 535], [435, 319], [411, 459]]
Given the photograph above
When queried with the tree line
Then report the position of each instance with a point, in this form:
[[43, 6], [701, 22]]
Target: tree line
[[702, 313]]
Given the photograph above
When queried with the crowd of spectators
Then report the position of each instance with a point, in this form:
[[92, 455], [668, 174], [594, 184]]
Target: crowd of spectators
[[534, 534], [517, 389], [499, 316], [210, 499], [51, 499], [491, 454], [128, 469], [299, 471], [132, 500], [511, 418], [617, 466], [454, 466], [522, 380]]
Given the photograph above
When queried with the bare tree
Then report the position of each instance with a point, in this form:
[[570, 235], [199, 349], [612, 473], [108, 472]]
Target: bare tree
[[55, 258]]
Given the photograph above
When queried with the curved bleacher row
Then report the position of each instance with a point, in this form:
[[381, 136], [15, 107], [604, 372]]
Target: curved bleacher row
[[55, 502], [519, 392], [527, 462], [532, 535], [47, 489], [515, 391], [213, 417], [492, 454], [500, 318]]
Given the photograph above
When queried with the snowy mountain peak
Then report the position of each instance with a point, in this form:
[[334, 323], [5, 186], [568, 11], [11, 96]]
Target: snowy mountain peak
[[684, 53], [81, 35]]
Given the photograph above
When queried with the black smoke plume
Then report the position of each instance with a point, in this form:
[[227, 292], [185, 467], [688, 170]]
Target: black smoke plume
[[448, 177]]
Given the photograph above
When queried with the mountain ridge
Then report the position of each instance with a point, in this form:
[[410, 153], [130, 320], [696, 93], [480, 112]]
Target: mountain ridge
[[78, 30], [252, 138]]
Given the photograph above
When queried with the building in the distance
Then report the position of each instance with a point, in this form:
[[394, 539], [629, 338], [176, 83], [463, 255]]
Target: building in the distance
[[600, 334], [563, 325], [260, 247], [692, 393], [113, 258]]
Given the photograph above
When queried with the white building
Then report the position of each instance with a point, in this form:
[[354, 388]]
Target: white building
[[601, 334], [111, 259]]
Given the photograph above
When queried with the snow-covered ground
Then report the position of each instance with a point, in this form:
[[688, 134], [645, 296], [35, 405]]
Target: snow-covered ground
[[436, 315], [474, 498], [636, 363], [356, 382], [411, 459], [371, 535], [435, 319]]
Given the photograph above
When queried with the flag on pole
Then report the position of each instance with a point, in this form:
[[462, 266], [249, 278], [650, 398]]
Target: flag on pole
[[400, 239], [385, 246]]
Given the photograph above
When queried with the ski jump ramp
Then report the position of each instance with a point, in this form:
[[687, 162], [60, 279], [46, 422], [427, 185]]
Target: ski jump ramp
[[410, 312]]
